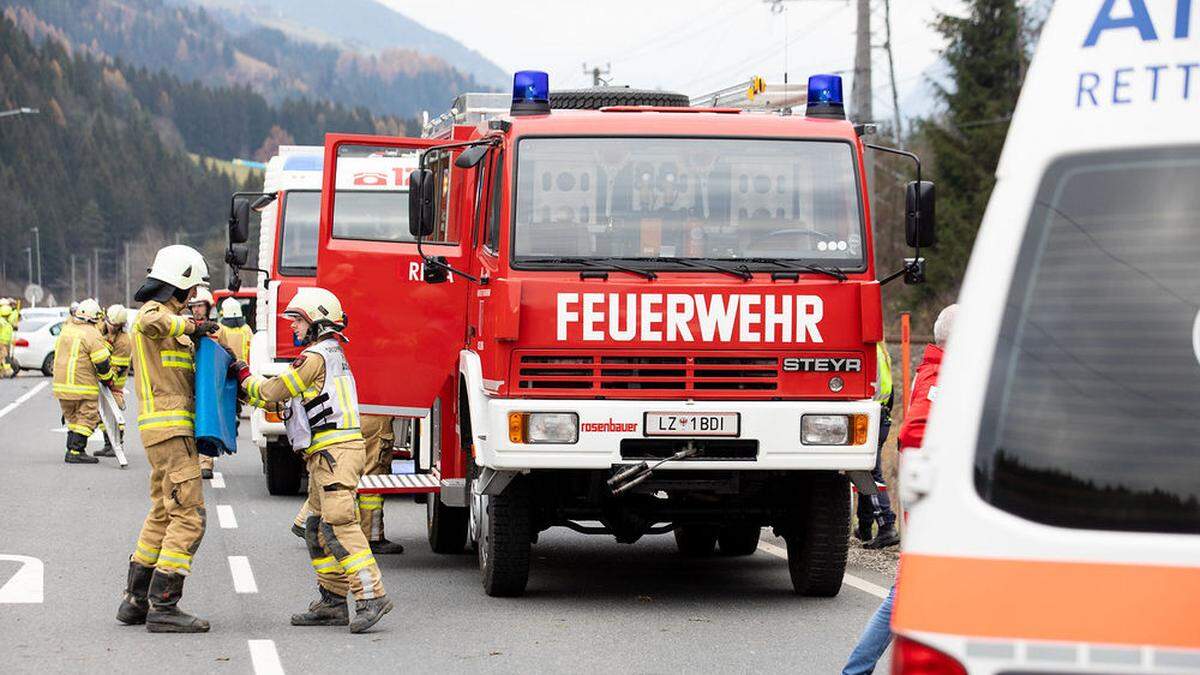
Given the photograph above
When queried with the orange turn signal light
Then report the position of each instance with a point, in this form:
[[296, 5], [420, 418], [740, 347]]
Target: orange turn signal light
[[859, 426], [272, 417], [516, 426]]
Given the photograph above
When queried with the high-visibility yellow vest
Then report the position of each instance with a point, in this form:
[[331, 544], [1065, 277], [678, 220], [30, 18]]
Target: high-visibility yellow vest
[[883, 388]]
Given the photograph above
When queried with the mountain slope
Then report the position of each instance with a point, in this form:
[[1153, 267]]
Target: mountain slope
[[191, 43], [360, 25]]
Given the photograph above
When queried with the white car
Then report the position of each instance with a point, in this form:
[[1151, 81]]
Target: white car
[[33, 345]]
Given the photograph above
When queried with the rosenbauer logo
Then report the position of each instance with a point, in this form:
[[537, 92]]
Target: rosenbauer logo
[[688, 317], [609, 427]]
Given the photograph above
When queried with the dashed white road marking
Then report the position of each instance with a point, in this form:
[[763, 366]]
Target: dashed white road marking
[[243, 576], [265, 658], [225, 516], [217, 481], [26, 585], [849, 579], [23, 397]]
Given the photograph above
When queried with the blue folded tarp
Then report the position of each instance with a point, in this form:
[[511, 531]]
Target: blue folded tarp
[[216, 400]]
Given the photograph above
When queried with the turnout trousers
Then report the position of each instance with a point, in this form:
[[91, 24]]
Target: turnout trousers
[[175, 525], [379, 438], [81, 416], [339, 551]]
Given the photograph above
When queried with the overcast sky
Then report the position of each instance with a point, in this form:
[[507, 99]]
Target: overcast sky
[[691, 46]]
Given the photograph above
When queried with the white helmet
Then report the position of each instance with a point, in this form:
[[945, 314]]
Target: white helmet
[[117, 315], [231, 308], [89, 311], [319, 307], [180, 266], [73, 310], [202, 295]]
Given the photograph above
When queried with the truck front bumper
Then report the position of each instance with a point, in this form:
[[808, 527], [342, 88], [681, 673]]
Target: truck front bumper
[[775, 425]]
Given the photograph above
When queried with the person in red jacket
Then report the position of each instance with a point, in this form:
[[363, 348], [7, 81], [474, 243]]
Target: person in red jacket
[[924, 390], [878, 633]]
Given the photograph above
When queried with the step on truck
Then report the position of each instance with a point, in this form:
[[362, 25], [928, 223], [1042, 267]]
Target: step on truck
[[289, 207], [626, 320]]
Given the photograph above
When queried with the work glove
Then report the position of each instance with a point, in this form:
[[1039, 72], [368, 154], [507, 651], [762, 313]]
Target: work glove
[[240, 370], [205, 327]]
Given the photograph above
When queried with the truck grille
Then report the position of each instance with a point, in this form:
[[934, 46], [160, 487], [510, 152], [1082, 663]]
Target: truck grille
[[617, 374]]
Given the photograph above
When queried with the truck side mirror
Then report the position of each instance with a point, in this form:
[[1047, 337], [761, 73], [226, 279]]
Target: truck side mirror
[[237, 255], [235, 283], [239, 221], [471, 156], [919, 228], [420, 203]]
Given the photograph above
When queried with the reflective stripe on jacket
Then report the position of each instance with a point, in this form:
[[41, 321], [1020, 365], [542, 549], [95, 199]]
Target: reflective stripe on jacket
[[82, 361], [162, 363]]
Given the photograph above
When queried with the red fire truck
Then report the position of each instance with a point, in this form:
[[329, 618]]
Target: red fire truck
[[627, 320]]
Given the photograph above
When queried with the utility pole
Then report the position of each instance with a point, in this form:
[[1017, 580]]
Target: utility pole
[[87, 272], [127, 274], [860, 92], [73, 296], [29, 259], [37, 243], [898, 132], [596, 73]]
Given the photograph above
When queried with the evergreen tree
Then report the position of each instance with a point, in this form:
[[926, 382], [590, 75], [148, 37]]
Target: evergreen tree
[[986, 54]]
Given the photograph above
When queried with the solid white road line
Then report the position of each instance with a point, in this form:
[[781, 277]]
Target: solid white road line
[[23, 397], [225, 516], [243, 576], [849, 579], [217, 481], [264, 658]]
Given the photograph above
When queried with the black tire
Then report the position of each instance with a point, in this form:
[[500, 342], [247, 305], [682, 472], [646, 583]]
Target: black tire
[[817, 539], [48, 365], [283, 468], [507, 538], [696, 541], [739, 540], [600, 97], [446, 525], [16, 367]]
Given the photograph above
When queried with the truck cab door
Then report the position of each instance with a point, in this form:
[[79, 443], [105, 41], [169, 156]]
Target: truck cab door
[[405, 334]]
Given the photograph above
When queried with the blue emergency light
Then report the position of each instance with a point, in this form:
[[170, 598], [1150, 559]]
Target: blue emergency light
[[825, 97], [531, 93]]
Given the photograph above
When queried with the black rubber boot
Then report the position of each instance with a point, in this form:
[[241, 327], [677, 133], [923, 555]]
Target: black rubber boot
[[164, 615], [330, 610], [368, 612], [134, 604], [297, 530], [206, 474], [385, 547], [107, 450], [888, 536], [77, 450]]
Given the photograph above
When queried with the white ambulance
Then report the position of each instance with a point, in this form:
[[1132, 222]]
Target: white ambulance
[[1055, 505]]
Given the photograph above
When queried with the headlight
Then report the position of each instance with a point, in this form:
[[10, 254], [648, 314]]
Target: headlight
[[546, 427], [834, 429]]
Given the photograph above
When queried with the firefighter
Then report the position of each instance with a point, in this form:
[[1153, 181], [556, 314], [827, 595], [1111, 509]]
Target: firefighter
[[379, 438], [121, 346], [235, 334], [200, 307], [82, 362], [323, 424], [6, 339], [877, 508], [163, 365]]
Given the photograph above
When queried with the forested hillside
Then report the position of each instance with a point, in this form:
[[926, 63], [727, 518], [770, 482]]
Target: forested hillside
[[192, 44]]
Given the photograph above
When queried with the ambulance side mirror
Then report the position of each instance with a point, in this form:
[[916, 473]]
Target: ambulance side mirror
[[919, 228], [239, 221], [420, 203]]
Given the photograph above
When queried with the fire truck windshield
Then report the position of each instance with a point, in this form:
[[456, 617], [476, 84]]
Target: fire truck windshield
[[374, 215], [648, 200]]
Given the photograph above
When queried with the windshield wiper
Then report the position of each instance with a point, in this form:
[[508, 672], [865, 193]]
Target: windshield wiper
[[741, 272], [602, 263], [833, 272]]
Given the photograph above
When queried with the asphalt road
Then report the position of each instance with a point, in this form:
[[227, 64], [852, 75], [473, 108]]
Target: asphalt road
[[593, 605]]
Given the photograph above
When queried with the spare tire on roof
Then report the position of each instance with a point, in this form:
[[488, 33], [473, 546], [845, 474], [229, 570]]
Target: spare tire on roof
[[601, 97]]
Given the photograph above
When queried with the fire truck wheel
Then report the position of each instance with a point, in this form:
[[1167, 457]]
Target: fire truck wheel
[[739, 540], [505, 537], [817, 539], [282, 467], [447, 526], [696, 541], [600, 97]]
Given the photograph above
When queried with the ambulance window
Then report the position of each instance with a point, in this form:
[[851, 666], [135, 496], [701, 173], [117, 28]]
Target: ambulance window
[[492, 240], [1089, 420], [298, 233]]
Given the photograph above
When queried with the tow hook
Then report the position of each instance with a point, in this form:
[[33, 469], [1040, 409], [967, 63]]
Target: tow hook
[[630, 476]]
